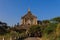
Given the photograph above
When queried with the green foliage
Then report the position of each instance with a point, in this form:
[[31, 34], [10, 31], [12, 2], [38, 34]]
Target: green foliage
[[46, 21], [21, 31], [58, 30], [3, 30], [50, 28], [49, 32], [57, 19], [35, 30]]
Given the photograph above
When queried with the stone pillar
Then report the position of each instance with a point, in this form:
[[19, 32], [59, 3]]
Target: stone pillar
[[22, 21], [35, 21], [3, 38], [10, 38]]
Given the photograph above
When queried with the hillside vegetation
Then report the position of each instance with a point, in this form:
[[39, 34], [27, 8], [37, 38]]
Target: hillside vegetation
[[48, 30]]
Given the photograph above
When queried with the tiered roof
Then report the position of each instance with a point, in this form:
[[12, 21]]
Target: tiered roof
[[29, 15]]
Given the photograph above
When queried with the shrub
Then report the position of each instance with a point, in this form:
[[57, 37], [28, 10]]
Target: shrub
[[35, 31], [50, 28]]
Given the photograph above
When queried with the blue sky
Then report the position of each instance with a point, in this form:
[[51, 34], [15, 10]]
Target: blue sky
[[12, 10]]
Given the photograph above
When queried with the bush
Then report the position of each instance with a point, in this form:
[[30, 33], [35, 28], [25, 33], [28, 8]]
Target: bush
[[50, 28], [35, 31]]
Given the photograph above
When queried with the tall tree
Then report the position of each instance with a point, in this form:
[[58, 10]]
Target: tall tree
[[56, 19]]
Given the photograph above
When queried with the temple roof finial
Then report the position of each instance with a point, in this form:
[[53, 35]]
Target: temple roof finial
[[28, 9]]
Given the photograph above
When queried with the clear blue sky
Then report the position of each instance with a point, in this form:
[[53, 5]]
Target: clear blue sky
[[12, 10]]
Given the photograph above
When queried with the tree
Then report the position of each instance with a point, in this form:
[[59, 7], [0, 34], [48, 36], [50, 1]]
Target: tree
[[39, 22], [3, 28], [56, 19], [46, 21]]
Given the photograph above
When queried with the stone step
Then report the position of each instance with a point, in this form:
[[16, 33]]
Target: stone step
[[33, 38]]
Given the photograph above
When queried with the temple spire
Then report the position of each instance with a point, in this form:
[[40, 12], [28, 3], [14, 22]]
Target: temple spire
[[28, 9]]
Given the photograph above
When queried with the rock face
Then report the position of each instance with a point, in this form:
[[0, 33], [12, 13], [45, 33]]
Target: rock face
[[33, 38]]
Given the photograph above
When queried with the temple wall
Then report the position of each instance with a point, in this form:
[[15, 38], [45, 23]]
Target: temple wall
[[35, 21], [22, 21], [31, 22]]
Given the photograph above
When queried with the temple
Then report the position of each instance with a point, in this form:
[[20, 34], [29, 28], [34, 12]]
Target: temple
[[29, 19]]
